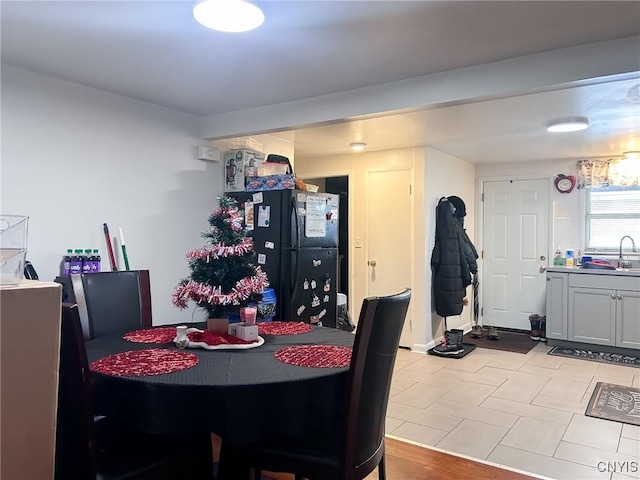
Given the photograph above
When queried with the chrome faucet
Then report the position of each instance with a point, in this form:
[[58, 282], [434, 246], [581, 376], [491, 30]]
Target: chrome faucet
[[621, 262]]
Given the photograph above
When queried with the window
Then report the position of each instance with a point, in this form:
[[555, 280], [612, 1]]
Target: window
[[611, 213]]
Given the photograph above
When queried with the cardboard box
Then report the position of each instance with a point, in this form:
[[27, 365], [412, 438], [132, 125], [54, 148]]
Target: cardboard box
[[29, 360], [239, 164], [243, 331], [271, 182]]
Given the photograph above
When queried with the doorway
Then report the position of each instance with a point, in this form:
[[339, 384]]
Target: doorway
[[339, 186], [515, 247]]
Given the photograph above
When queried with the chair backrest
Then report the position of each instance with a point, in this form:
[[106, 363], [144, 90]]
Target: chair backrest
[[374, 353], [75, 446], [112, 302]]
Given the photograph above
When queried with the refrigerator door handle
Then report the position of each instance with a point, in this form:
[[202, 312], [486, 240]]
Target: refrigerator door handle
[[294, 217], [293, 285]]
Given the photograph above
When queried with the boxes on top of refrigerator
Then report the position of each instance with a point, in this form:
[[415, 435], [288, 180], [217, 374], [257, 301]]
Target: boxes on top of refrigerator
[[240, 164], [271, 182]]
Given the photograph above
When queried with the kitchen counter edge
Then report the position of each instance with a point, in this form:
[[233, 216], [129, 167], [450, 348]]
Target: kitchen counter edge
[[595, 271]]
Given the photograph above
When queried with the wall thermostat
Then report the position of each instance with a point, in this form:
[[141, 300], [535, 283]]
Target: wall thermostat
[[207, 153]]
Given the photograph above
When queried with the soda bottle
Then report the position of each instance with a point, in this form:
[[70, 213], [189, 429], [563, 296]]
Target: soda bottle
[[66, 263], [96, 262], [87, 260], [75, 265]]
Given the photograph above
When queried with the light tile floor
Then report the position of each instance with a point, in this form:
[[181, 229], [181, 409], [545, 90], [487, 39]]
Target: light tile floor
[[521, 411]]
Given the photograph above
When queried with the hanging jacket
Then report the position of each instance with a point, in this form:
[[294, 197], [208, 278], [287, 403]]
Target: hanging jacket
[[453, 261]]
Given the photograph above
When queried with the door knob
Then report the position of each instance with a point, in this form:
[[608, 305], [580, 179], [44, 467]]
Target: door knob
[[371, 263], [543, 269]]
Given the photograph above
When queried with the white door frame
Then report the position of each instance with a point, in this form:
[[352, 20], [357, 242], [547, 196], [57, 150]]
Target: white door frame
[[479, 230]]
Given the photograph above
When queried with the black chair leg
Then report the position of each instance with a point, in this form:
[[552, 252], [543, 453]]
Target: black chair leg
[[255, 474], [230, 466], [382, 475]]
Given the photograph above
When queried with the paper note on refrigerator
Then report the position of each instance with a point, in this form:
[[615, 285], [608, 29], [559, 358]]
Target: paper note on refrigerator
[[264, 215], [316, 223], [248, 215]]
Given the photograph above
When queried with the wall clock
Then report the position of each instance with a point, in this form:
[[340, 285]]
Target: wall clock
[[565, 183]]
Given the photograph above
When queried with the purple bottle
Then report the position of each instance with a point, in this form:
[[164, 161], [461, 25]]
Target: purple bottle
[[95, 266], [66, 262], [75, 265], [87, 261]]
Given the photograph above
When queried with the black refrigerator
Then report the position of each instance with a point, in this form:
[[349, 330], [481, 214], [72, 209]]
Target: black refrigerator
[[295, 236]]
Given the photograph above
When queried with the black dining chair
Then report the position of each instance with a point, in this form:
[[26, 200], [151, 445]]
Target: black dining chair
[[110, 449], [112, 302], [355, 451]]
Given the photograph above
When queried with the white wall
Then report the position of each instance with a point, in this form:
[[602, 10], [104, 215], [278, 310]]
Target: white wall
[[74, 158], [565, 229], [447, 176], [357, 166]]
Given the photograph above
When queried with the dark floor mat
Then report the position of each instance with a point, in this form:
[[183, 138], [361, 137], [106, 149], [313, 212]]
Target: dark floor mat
[[596, 355], [508, 341], [618, 403], [467, 348]]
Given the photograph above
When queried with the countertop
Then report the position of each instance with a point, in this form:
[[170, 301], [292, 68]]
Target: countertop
[[626, 272]]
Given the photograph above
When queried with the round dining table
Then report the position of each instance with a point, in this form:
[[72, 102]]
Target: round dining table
[[243, 395]]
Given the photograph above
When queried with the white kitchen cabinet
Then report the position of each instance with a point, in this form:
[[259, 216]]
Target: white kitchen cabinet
[[628, 319], [604, 310], [592, 316], [556, 326]]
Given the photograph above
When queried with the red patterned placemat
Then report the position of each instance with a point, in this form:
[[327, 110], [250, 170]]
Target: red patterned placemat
[[283, 328], [152, 335], [318, 356], [139, 363]]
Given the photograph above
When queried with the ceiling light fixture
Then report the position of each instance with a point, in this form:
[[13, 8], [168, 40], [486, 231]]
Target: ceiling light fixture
[[633, 155], [357, 146], [228, 15], [572, 124]]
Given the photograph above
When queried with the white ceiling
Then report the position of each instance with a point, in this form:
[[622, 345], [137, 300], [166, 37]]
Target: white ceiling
[[154, 51], [503, 130]]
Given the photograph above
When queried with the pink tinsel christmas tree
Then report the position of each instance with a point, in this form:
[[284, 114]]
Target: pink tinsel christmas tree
[[224, 277]]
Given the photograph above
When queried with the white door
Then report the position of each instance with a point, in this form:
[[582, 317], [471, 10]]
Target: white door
[[388, 241], [515, 247]]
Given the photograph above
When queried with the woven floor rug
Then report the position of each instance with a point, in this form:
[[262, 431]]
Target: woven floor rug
[[618, 403], [597, 356], [508, 341]]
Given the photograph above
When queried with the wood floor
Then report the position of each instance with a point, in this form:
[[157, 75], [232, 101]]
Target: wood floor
[[406, 461]]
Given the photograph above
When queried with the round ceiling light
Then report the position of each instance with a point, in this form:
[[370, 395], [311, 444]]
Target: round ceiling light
[[228, 15], [572, 124], [357, 146]]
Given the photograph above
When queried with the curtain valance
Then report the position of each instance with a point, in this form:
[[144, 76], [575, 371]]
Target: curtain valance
[[620, 172]]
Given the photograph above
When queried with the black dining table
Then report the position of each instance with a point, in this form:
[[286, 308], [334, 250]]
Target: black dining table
[[243, 395]]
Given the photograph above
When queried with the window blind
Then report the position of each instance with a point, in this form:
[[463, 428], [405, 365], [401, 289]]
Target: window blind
[[611, 213]]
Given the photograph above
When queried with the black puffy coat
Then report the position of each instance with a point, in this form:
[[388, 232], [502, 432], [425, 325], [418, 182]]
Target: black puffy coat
[[453, 261]]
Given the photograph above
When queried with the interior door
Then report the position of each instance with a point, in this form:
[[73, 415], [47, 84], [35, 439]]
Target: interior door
[[515, 247], [388, 240]]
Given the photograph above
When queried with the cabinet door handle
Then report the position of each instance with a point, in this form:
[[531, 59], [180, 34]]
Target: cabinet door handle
[[613, 296], [619, 297]]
